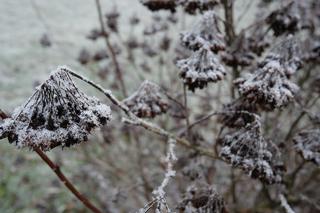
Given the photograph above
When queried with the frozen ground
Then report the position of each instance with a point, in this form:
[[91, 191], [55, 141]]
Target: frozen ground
[[22, 23]]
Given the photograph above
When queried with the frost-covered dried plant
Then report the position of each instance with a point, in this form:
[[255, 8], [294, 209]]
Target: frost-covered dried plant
[[307, 143], [155, 5], [193, 6], [159, 193], [202, 67], [57, 114], [284, 20], [247, 149], [204, 33], [269, 85], [238, 113], [148, 101], [202, 199]]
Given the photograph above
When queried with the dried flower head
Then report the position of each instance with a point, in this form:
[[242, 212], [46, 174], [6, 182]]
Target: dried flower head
[[192, 6], [100, 55], [84, 56], [95, 34], [284, 20], [155, 5], [45, 40], [148, 101], [205, 33], [202, 198], [269, 85], [238, 113], [57, 114], [308, 144], [201, 67], [112, 20], [247, 149]]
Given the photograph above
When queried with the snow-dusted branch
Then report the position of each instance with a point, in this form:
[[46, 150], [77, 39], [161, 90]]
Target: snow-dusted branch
[[285, 205]]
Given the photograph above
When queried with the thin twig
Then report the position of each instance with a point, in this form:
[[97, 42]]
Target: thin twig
[[66, 181], [111, 50]]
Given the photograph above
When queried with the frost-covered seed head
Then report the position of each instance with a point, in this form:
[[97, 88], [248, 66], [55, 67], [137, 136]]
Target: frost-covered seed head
[[148, 101], [269, 85], [192, 6], [308, 144], [247, 149], [205, 33], [202, 199], [201, 67], [284, 20], [155, 5], [57, 114], [236, 114]]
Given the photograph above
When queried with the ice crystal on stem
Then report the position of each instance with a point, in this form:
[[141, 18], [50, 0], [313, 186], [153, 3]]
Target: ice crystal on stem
[[201, 67], [246, 148], [308, 144], [159, 194], [269, 85], [57, 114], [205, 33], [202, 199], [148, 101]]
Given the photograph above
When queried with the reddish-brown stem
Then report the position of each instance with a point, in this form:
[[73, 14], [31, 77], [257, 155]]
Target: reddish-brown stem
[[66, 181], [111, 51]]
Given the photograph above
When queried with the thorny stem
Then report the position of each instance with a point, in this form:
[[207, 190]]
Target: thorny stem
[[66, 181], [111, 50]]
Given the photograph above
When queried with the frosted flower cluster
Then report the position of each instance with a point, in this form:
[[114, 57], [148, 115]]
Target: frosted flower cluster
[[308, 144], [201, 67], [155, 5], [192, 6], [205, 33], [284, 20], [268, 86], [237, 113], [148, 101], [202, 199], [57, 114], [247, 149]]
